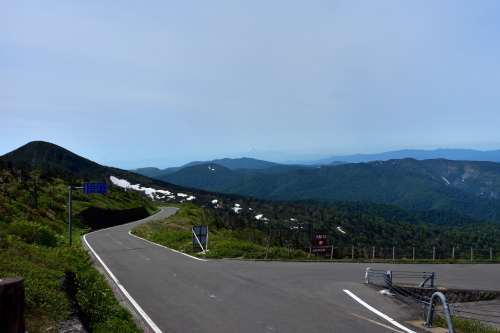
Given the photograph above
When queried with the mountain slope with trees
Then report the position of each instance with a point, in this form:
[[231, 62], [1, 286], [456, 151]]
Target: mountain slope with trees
[[467, 188]]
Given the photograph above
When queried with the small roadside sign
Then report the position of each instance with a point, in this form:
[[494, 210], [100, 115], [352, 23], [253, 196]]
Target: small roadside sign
[[89, 188], [320, 243], [200, 237]]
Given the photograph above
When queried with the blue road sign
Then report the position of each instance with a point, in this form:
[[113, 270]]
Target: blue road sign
[[89, 188]]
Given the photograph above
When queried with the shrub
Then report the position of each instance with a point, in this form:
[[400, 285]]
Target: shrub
[[33, 233]]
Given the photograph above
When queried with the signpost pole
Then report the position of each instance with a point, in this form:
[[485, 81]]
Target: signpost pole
[[373, 253], [206, 243], [331, 254], [70, 226]]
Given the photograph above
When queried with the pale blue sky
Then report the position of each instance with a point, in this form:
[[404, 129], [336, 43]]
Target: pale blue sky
[[139, 83]]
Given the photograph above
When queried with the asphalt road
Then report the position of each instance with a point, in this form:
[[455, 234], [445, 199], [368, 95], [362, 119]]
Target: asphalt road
[[181, 294]]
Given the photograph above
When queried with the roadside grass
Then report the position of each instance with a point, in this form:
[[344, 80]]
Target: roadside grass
[[462, 325], [47, 303], [175, 232], [33, 245]]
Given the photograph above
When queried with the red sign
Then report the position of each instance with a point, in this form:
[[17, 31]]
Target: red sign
[[320, 239]]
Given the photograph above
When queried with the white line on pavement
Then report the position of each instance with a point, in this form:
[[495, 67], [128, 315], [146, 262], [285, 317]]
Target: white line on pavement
[[143, 314], [377, 323], [378, 313], [165, 247]]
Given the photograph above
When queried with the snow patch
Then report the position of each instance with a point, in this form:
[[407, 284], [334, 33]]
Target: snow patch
[[152, 193], [446, 180], [341, 230], [215, 201], [259, 216]]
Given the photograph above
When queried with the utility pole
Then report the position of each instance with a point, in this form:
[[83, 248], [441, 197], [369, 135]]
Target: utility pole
[[88, 188], [70, 226]]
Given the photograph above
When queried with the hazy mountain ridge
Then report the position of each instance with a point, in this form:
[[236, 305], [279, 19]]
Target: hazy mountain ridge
[[418, 154], [470, 188]]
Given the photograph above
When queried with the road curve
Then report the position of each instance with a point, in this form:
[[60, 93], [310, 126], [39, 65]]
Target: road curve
[[181, 294]]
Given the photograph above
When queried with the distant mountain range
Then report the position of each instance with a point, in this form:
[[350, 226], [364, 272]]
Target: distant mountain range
[[470, 188], [230, 163], [449, 154]]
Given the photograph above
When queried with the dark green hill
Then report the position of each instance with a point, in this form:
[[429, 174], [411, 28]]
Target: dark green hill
[[243, 163], [57, 161], [46, 156], [467, 188]]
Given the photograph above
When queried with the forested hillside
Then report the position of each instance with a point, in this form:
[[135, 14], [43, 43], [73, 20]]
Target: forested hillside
[[464, 188]]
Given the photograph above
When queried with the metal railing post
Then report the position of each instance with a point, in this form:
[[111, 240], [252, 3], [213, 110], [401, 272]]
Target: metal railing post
[[491, 254], [453, 253], [393, 254], [413, 253], [367, 275], [388, 279], [352, 253], [433, 253], [471, 254], [446, 311], [373, 253]]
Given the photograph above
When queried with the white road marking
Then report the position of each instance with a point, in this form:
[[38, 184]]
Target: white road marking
[[377, 323], [179, 252], [136, 305], [378, 313]]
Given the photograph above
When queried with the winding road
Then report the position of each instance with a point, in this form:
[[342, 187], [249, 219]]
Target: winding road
[[174, 292]]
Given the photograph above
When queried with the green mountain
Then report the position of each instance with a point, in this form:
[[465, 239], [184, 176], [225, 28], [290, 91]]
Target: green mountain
[[242, 163], [466, 188], [57, 161]]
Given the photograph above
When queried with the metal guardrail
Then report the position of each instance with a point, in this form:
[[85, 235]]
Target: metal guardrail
[[407, 276], [387, 279]]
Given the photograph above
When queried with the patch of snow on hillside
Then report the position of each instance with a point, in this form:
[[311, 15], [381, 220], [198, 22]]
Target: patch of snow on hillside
[[215, 201], [259, 216], [211, 168], [341, 230], [237, 205], [191, 198], [149, 191], [182, 195], [120, 182], [293, 219], [236, 209], [446, 180]]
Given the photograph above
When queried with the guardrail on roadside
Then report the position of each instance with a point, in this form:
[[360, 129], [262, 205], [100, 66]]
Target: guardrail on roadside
[[390, 279]]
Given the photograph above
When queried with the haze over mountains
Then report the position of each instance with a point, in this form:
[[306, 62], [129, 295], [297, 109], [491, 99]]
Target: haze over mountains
[[471, 188], [418, 154]]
